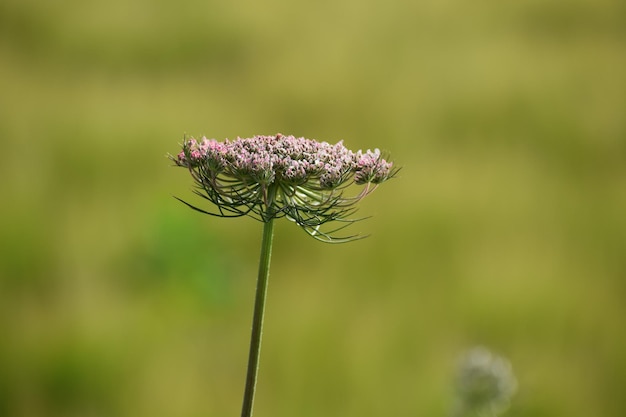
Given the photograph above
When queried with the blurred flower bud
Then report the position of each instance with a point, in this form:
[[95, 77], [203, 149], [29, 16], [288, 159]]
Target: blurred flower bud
[[484, 385]]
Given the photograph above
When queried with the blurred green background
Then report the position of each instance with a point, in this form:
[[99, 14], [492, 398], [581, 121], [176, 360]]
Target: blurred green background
[[505, 227]]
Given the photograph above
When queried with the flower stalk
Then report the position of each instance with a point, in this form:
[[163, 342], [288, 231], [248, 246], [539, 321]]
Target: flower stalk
[[257, 320]]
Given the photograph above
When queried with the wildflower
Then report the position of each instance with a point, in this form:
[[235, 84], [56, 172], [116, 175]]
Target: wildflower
[[485, 383], [268, 177]]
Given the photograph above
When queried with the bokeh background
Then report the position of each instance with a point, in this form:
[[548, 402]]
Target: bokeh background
[[505, 228]]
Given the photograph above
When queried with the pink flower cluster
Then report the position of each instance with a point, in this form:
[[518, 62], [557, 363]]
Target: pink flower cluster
[[268, 177], [285, 159]]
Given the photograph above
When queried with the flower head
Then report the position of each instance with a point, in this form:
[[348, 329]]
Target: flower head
[[485, 383], [267, 177]]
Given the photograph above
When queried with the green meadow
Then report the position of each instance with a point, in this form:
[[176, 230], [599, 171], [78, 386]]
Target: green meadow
[[505, 228]]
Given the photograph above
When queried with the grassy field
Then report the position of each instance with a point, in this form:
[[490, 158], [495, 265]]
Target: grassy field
[[505, 228]]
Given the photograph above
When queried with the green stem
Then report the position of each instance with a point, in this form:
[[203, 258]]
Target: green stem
[[257, 321]]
